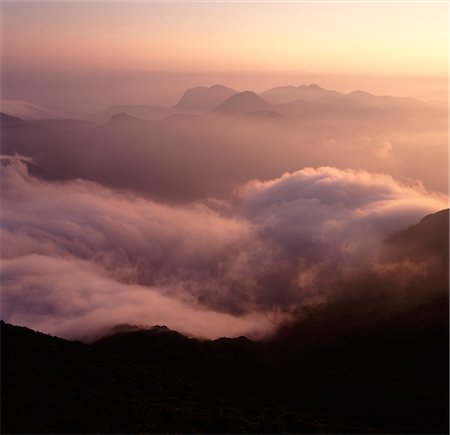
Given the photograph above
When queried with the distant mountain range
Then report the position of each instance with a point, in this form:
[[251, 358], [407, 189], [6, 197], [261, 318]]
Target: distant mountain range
[[360, 365], [290, 101]]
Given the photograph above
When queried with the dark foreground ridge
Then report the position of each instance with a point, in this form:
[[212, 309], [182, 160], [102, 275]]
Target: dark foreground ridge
[[390, 377], [356, 366]]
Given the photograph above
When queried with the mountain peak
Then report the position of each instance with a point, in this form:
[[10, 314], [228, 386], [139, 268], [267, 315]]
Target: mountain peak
[[204, 98], [359, 93], [314, 87], [288, 94], [220, 87], [243, 102]]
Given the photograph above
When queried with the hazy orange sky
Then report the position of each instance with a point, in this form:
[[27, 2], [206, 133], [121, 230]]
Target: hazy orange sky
[[163, 47]]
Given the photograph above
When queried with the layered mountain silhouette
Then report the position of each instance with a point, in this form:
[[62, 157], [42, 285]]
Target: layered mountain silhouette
[[310, 93], [362, 364], [289, 101], [143, 155]]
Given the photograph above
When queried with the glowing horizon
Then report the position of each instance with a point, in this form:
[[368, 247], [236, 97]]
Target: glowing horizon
[[342, 38], [91, 55]]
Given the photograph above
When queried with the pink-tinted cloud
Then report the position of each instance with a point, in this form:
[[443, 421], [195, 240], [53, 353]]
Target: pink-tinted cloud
[[78, 256], [75, 298]]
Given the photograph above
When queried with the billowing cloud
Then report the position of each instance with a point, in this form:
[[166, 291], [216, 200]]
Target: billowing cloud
[[320, 205], [74, 298], [78, 256], [329, 221], [191, 255]]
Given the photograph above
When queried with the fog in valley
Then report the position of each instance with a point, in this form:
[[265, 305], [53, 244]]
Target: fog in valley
[[229, 209]]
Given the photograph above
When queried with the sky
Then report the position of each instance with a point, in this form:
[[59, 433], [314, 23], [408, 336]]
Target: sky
[[99, 53]]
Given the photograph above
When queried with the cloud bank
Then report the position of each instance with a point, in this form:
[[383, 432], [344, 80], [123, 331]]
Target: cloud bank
[[78, 257]]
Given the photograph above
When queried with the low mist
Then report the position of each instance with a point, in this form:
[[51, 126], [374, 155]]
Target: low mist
[[78, 256]]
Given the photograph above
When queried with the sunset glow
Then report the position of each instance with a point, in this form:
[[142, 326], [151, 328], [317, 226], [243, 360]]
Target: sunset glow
[[227, 42], [398, 38], [224, 217]]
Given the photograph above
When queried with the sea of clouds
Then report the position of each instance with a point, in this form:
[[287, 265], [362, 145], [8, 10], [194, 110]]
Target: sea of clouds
[[79, 257]]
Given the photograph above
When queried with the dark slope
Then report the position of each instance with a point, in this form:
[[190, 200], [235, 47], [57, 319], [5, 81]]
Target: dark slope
[[141, 382], [10, 121], [368, 362], [388, 377], [424, 240], [426, 245]]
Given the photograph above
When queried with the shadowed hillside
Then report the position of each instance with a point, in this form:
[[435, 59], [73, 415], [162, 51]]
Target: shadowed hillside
[[363, 364], [387, 377]]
